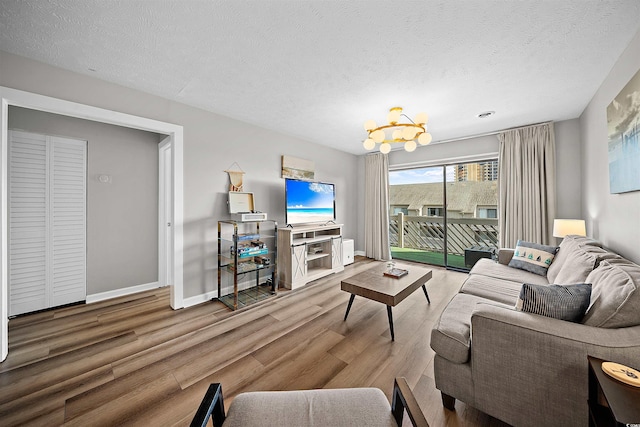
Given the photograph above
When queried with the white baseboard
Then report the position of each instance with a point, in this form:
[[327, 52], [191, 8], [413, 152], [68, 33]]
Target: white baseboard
[[361, 253], [199, 299], [121, 292]]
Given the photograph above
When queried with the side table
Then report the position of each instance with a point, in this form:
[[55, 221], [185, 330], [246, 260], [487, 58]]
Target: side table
[[611, 402], [475, 253]]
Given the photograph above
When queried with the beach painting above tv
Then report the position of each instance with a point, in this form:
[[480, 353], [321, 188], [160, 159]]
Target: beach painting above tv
[[623, 125], [292, 167]]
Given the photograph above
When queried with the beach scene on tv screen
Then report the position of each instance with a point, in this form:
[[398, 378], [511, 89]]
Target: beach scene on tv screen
[[309, 202]]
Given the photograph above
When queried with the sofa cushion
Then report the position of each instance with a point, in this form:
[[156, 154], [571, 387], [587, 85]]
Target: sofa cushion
[[615, 297], [489, 268], [572, 264], [533, 257], [451, 336], [336, 407], [564, 302], [583, 240], [501, 290]]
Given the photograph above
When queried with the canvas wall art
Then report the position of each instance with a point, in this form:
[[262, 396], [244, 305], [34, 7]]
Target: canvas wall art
[[623, 123], [293, 167]]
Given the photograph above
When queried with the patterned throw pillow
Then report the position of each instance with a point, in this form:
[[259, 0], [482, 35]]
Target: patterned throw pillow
[[564, 302], [533, 257]]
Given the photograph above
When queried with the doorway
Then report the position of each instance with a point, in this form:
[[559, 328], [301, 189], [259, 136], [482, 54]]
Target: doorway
[[441, 214], [14, 97]]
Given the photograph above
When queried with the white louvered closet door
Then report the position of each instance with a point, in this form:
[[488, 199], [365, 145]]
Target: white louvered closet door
[[47, 221]]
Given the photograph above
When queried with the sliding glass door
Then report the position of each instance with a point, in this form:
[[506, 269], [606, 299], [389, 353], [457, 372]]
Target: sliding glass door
[[417, 214], [444, 215]]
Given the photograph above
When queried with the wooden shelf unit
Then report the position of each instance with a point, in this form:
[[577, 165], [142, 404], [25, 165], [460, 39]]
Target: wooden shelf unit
[[308, 253]]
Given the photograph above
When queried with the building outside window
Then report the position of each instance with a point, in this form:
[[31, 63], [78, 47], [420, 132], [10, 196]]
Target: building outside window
[[395, 210], [487, 213], [435, 212]]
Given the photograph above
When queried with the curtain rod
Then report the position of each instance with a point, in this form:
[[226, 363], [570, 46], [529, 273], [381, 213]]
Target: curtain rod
[[480, 135]]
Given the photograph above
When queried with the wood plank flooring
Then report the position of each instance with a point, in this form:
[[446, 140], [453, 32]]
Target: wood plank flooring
[[134, 361]]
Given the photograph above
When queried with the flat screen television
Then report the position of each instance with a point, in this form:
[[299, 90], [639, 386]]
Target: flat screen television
[[309, 202]]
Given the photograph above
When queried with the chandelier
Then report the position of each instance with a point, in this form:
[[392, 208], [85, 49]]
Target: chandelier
[[406, 133]]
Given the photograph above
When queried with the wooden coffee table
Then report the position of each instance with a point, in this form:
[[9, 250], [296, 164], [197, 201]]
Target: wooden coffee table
[[372, 284]]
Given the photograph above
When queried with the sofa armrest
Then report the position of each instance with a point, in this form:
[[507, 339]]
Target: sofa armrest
[[211, 408], [541, 360], [403, 399], [505, 255]]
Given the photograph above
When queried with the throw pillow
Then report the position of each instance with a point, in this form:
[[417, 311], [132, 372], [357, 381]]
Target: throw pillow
[[564, 302], [533, 257]]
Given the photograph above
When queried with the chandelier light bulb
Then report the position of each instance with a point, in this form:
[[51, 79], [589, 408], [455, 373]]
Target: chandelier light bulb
[[385, 147], [369, 144], [394, 115], [410, 146], [424, 138], [397, 134], [369, 125], [377, 136], [422, 118], [409, 132]]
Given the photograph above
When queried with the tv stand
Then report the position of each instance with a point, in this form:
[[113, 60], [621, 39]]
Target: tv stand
[[314, 251]]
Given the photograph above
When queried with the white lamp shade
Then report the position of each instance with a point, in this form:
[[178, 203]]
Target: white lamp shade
[[565, 227], [369, 144], [397, 134], [385, 147]]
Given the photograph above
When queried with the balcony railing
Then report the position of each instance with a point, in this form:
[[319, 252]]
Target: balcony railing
[[427, 233]]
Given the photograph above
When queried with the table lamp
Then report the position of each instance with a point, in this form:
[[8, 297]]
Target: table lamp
[[564, 227]]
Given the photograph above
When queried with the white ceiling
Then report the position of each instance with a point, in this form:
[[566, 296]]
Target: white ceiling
[[318, 69]]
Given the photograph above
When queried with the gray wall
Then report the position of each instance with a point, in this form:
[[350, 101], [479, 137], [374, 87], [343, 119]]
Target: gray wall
[[211, 144], [613, 219], [122, 216], [568, 169]]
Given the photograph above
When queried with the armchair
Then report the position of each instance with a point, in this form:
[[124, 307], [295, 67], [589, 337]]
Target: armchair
[[334, 407]]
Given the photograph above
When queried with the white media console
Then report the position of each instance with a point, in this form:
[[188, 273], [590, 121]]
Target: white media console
[[307, 253]]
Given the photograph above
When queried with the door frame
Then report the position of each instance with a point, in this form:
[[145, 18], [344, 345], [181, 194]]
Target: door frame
[[165, 219], [18, 98]]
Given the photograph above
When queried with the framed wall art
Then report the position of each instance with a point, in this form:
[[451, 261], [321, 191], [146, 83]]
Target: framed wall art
[[623, 126], [293, 167]]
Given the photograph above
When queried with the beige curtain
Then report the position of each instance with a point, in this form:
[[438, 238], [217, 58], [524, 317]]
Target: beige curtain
[[527, 179], [376, 207]]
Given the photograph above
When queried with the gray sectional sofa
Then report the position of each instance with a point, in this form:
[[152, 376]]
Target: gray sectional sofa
[[527, 369]]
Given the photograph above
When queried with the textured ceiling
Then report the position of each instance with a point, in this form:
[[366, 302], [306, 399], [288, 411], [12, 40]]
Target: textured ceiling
[[318, 69]]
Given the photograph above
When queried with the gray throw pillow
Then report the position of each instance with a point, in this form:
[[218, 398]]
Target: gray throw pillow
[[564, 302], [533, 257]]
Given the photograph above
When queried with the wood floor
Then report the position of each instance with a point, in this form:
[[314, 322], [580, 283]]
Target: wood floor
[[134, 361]]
